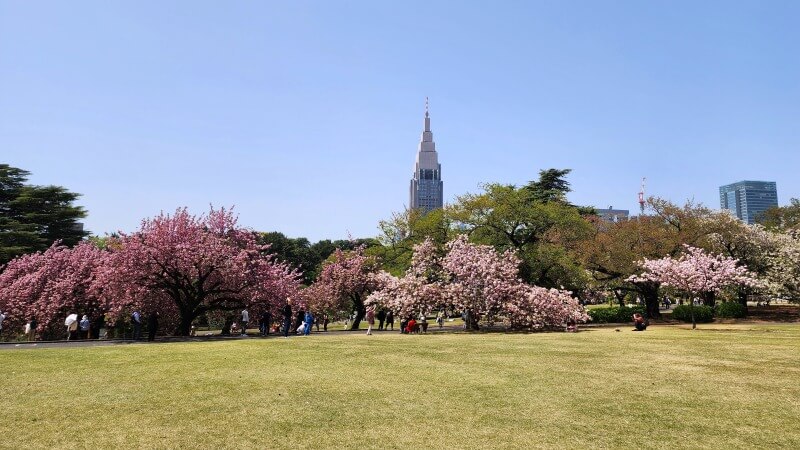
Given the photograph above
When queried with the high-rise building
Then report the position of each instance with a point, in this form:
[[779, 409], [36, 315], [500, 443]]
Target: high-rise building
[[747, 200], [427, 190]]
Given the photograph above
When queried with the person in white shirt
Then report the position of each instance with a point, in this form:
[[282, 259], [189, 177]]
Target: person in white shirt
[[245, 319]]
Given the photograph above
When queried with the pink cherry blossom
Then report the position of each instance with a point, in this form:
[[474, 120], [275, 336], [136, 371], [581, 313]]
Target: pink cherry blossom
[[344, 282], [183, 266], [478, 279], [696, 272], [50, 285]]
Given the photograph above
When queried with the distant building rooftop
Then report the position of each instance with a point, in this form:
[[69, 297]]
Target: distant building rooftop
[[613, 215]]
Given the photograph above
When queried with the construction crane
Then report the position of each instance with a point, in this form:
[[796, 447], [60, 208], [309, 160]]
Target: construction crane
[[641, 198]]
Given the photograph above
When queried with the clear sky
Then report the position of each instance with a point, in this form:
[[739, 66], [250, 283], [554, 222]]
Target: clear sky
[[306, 115]]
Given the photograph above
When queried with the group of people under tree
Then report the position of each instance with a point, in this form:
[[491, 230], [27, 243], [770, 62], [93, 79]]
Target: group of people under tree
[[84, 328], [152, 325], [300, 321]]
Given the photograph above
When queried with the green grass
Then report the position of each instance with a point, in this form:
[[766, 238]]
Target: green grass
[[722, 386]]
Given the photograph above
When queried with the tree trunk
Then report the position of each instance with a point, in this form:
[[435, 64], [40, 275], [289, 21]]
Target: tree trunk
[[472, 320], [184, 326], [691, 308], [709, 299], [360, 309], [650, 293], [742, 297], [620, 297], [187, 308]]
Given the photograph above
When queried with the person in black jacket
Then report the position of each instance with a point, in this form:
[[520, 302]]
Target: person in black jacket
[[381, 316], [389, 320], [265, 323], [287, 317], [152, 326], [136, 320]]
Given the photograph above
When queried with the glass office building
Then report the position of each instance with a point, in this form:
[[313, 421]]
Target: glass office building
[[427, 189], [747, 200]]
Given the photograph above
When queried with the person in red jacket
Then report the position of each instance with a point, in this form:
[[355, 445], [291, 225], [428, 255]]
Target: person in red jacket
[[411, 326]]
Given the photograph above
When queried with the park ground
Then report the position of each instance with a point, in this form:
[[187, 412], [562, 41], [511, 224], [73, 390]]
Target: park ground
[[721, 386]]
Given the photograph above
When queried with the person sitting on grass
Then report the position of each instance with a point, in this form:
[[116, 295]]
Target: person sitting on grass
[[639, 323], [572, 326], [412, 327]]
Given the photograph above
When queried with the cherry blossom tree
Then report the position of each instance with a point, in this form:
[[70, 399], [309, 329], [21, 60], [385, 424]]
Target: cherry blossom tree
[[50, 285], [783, 272], [753, 245], [541, 308], [421, 289], [480, 281], [696, 273], [344, 283], [183, 266]]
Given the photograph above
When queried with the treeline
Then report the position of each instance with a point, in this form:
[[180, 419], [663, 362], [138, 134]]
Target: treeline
[[556, 245]]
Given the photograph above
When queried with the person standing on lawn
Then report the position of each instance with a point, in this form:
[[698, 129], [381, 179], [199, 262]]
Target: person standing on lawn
[[136, 320], [309, 320], [265, 323], [287, 317], [389, 320], [85, 325], [31, 329], [301, 316], [370, 319], [245, 321], [381, 318], [152, 326]]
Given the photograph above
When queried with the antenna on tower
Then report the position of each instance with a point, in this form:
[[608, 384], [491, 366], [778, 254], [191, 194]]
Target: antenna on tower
[[641, 198]]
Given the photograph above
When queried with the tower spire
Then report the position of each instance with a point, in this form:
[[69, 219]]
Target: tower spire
[[427, 119]]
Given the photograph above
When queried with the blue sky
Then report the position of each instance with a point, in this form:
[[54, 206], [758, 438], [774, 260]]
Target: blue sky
[[306, 115]]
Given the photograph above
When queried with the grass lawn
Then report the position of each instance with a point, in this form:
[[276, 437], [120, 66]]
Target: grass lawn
[[722, 386]]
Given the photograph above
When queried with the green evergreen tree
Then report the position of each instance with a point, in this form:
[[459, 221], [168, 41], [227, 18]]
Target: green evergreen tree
[[33, 217]]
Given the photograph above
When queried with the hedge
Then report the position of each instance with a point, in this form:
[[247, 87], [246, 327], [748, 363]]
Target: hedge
[[730, 310], [702, 313], [616, 314]]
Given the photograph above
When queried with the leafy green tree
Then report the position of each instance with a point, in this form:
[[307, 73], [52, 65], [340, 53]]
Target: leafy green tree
[[33, 217], [296, 252], [552, 186], [544, 234], [610, 257], [403, 231], [782, 217], [302, 255]]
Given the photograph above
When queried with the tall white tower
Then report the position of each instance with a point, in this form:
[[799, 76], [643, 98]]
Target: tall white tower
[[426, 190]]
